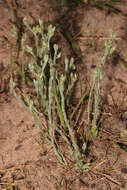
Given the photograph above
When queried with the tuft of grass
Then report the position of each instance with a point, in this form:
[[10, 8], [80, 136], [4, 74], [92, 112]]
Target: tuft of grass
[[10, 187], [108, 5]]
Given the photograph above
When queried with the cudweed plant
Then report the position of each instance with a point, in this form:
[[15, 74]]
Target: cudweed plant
[[53, 91]]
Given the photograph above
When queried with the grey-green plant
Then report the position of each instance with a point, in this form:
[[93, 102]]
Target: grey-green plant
[[96, 87], [53, 89]]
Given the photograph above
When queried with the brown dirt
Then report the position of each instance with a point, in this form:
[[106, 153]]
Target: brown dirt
[[26, 161]]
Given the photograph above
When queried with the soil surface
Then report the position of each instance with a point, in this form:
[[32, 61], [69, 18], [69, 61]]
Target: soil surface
[[27, 162]]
